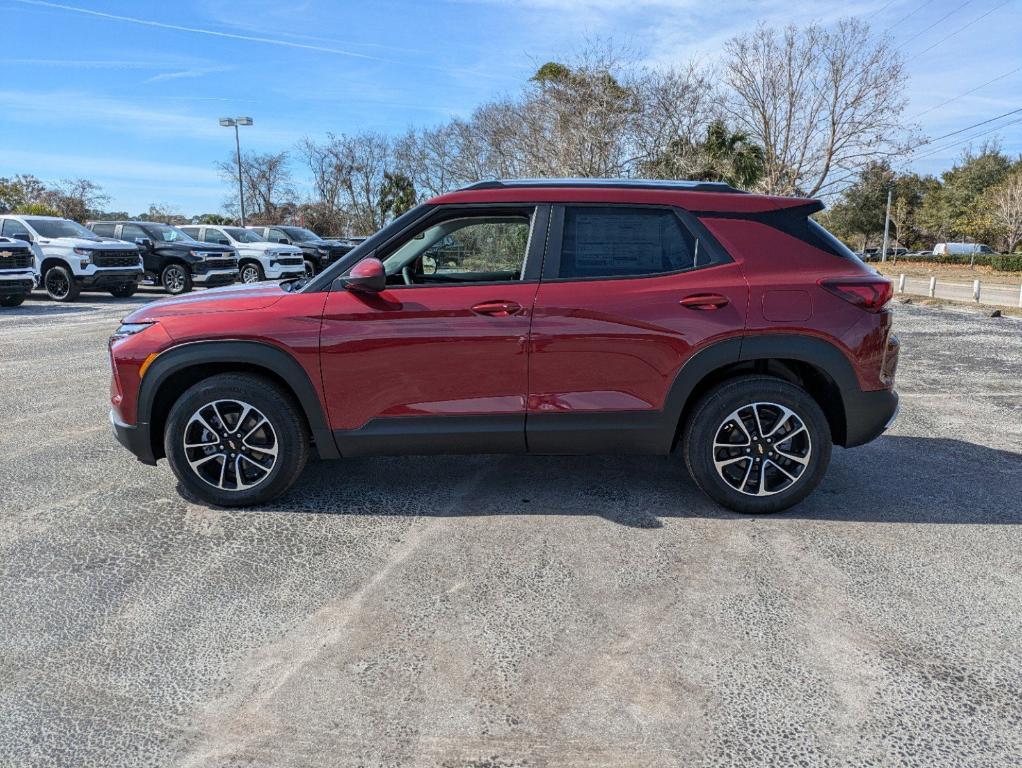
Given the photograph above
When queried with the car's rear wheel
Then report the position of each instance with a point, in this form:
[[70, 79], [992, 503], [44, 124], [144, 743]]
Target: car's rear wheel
[[59, 284], [757, 444], [175, 279], [251, 272], [236, 440]]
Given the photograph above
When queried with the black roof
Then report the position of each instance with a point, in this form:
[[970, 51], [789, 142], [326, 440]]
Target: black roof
[[671, 184]]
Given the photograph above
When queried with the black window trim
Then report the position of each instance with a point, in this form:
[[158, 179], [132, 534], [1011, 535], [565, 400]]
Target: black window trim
[[718, 255]]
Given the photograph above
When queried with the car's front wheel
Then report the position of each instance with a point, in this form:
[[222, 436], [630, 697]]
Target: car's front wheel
[[176, 279], [59, 284], [124, 291], [757, 444], [12, 301], [236, 440], [251, 273], [310, 268]]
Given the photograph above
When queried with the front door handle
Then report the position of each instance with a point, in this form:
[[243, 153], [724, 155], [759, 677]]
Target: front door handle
[[705, 301], [497, 308]]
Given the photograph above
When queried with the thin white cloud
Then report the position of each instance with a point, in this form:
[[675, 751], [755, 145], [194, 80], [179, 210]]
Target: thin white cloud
[[188, 73]]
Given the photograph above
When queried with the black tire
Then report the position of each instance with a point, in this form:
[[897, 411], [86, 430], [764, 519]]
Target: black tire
[[60, 284], [251, 269], [176, 279], [709, 424], [310, 268], [124, 291], [289, 432], [12, 301]]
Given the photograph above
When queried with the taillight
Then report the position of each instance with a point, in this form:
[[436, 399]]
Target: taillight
[[870, 293]]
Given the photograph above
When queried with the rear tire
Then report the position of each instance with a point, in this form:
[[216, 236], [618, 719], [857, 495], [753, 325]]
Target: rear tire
[[176, 279], [260, 459], [12, 301], [60, 284], [757, 444]]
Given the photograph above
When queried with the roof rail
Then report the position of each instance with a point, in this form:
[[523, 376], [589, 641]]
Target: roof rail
[[666, 184]]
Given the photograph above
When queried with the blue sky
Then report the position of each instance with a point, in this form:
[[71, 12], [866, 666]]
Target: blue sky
[[128, 93]]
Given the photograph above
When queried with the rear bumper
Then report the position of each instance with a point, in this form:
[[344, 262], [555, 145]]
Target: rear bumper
[[135, 438], [868, 415]]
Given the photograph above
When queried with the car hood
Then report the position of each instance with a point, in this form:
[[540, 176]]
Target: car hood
[[78, 242], [266, 245], [230, 298]]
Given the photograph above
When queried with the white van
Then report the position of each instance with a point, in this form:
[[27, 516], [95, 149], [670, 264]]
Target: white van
[[960, 249]]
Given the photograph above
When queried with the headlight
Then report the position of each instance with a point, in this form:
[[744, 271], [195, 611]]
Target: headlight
[[84, 255], [200, 255], [324, 251], [128, 329]]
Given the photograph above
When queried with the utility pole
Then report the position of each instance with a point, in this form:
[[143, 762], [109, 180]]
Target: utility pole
[[228, 122], [887, 226]]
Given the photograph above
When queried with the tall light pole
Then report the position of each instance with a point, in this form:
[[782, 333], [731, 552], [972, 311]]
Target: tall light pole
[[234, 122]]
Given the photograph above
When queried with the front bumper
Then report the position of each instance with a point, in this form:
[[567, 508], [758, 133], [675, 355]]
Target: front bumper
[[287, 271], [868, 415], [104, 279], [17, 284], [216, 277], [135, 438]]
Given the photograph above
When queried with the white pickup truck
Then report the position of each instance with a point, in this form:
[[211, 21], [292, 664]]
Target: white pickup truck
[[71, 259], [17, 271], [258, 259]]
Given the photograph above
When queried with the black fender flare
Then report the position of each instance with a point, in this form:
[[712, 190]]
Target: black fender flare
[[817, 352], [274, 360]]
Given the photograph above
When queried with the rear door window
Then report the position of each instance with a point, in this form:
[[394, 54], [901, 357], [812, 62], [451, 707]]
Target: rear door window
[[615, 241], [104, 229]]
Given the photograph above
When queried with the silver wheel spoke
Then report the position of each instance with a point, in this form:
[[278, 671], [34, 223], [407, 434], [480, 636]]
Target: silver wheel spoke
[[241, 464], [769, 448]]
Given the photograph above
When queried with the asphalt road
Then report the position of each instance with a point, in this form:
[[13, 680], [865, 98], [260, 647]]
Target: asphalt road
[[496, 612]]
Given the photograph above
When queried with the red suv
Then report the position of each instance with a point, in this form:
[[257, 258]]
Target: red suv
[[541, 317]]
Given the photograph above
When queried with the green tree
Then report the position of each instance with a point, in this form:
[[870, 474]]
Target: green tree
[[859, 213], [397, 194], [955, 209], [724, 155]]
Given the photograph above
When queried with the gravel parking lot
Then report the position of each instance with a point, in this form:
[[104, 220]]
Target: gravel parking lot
[[512, 611]]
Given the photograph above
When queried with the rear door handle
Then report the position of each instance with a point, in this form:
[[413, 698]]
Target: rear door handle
[[497, 308], [705, 301]]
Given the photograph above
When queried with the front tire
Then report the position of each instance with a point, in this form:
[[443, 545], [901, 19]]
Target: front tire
[[251, 272], [757, 444], [12, 301], [60, 284], [236, 440], [310, 268], [176, 279]]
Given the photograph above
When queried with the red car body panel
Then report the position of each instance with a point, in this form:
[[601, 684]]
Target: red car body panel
[[617, 345]]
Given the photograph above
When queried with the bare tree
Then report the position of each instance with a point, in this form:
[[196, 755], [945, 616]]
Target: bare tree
[[821, 102], [77, 198], [1006, 209], [267, 184]]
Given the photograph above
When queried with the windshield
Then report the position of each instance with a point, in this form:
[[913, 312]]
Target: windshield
[[243, 235], [168, 234], [301, 234], [61, 228]]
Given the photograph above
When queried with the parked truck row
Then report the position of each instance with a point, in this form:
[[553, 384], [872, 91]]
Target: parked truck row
[[65, 258]]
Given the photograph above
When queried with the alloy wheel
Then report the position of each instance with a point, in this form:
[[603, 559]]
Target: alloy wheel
[[762, 449], [250, 274], [174, 279], [230, 445], [57, 284]]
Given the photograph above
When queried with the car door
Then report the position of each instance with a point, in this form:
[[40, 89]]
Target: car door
[[437, 362], [629, 293]]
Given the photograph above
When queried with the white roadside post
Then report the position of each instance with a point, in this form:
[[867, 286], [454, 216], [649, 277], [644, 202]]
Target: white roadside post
[[933, 286], [901, 283], [975, 290], [1020, 295]]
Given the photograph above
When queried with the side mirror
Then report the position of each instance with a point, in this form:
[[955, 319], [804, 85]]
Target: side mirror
[[25, 237], [144, 242], [368, 276], [222, 241], [283, 240]]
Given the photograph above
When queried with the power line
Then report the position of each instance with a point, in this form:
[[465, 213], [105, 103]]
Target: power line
[[953, 144], [938, 21], [962, 95], [962, 29], [909, 15], [970, 127], [882, 9]]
